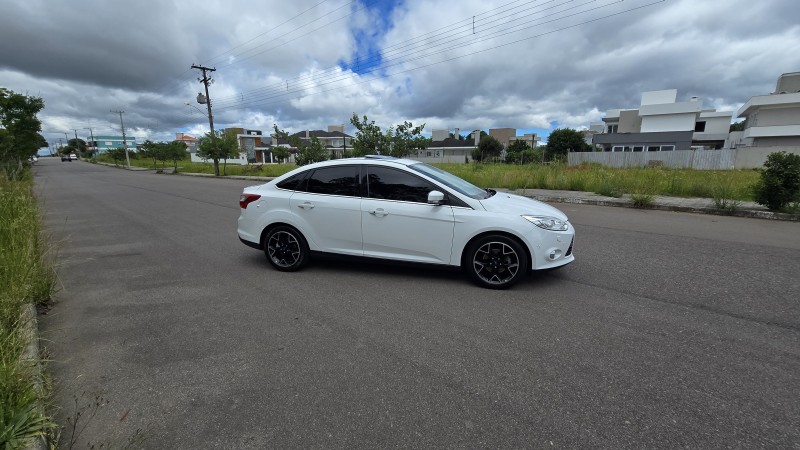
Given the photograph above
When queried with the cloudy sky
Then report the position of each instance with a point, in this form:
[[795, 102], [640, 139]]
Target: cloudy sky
[[534, 65]]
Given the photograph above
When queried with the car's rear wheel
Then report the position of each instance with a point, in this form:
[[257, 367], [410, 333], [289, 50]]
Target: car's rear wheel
[[286, 249], [496, 262]]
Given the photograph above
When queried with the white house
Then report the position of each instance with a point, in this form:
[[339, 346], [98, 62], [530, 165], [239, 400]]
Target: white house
[[661, 123]]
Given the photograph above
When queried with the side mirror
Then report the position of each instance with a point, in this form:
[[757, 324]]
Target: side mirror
[[435, 197]]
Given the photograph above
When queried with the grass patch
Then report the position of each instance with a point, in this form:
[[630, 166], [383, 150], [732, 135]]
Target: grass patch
[[26, 278], [686, 183], [611, 182]]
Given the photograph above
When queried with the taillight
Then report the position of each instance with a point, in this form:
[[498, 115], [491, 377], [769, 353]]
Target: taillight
[[246, 199]]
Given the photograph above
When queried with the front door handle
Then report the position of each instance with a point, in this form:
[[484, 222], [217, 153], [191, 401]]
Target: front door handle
[[380, 212]]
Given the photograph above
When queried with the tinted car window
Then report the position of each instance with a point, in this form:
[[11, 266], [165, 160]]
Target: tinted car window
[[391, 184], [294, 183], [338, 180]]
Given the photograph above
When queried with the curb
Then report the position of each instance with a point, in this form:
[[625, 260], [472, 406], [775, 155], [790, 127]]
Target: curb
[[31, 356]]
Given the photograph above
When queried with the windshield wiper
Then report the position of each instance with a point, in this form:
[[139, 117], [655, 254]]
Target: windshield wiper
[[490, 192]]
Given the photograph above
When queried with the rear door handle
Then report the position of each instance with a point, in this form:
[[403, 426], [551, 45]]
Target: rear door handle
[[306, 205]]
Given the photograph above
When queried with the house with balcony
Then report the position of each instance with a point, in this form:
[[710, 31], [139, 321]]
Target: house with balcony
[[661, 123], [773, 120]]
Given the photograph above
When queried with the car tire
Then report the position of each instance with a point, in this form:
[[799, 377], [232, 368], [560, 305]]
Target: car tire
[[286, 249], [495, 262]]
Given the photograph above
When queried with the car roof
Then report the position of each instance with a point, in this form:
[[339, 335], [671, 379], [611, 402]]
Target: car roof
[[371, 159]]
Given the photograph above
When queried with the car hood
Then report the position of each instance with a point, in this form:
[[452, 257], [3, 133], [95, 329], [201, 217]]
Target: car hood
[[516, 204]]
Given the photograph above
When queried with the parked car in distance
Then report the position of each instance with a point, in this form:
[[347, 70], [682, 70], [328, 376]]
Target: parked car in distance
[[70, 157], [402, 210]]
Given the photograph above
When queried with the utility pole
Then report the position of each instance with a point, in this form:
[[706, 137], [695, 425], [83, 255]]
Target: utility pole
[[94, 146], [207, 100], [76, 141], [124, 142]]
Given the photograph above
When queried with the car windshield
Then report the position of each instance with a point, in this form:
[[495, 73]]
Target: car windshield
[[452, 181]]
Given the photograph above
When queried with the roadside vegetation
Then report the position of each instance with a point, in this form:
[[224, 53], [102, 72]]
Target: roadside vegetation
[[26, 274], [26, 278]]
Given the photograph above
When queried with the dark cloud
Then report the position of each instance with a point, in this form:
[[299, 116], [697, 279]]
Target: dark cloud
[[277, 62]]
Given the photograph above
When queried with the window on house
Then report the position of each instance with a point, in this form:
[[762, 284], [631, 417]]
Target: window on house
[[617, 148], [667, 148], [638, 148], [653, 148], [700, 127]]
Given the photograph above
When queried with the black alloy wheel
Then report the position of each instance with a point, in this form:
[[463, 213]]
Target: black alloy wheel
[[286, 249], [496, 262]]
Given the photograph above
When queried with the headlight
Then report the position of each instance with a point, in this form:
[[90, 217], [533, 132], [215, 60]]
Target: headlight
[[548, 223]]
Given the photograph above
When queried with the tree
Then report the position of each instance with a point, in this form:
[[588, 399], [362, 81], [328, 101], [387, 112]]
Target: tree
[[20, 138], [218, 145], [175, 151], [405, 138], [117, 154], [563, 141], [77, 146], [150, 151], [738, 126], [780, 181], [369, 138], [280, 153], [397, 141], [519, 152], [308, 151], [488, 148]]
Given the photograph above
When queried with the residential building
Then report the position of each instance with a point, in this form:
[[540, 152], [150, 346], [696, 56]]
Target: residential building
[[446, 149], [105, 143], [661, 123], [773, 120], [190, 141], [503, 135], [334, 139]]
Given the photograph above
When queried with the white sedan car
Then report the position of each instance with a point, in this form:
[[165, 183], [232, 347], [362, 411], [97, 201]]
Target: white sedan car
[[402, 210]]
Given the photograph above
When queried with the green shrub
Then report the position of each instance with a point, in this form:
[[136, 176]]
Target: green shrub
[[780, 181]]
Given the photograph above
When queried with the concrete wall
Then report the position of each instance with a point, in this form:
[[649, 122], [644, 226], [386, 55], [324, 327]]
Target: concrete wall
[[659, 97], [741, 158], [671, 122], [717, 125], [768, 117], [629, 121]]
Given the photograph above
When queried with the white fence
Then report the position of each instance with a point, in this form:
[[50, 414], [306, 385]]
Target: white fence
[[725, 159]]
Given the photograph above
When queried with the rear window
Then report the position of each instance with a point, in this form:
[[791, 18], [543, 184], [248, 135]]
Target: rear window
[[294, 183]]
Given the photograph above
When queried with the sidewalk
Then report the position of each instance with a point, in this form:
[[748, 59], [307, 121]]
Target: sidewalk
[[660, 202]]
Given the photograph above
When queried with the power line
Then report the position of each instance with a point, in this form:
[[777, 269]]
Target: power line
[[475, 52], [268, 93]]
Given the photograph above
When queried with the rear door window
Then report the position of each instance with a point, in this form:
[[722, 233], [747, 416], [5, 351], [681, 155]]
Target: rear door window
[[336, 180]]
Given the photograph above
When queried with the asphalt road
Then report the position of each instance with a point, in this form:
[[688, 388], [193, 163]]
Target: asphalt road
[[670, 330]]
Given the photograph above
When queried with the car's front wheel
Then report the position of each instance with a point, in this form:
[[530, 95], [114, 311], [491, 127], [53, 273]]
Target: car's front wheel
[[496, 262], [286, 249]]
